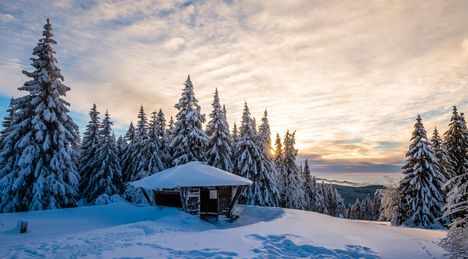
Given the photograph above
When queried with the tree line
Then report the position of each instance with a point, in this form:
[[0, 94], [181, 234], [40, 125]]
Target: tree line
[[44, 164]]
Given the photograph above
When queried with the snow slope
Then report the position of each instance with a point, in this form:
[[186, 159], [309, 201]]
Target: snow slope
[[125, 230]]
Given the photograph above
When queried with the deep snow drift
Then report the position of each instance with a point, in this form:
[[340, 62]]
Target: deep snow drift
[[123, 230]]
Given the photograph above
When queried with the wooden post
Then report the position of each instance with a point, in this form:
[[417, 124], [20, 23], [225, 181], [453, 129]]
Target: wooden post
[[239, 191], [183, 201], [146, 196], [22, 226]]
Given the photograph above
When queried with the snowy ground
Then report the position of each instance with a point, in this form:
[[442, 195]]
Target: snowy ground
[[125, 230]]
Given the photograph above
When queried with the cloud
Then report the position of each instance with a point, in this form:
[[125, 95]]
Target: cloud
[[5, 17], [350, 78]]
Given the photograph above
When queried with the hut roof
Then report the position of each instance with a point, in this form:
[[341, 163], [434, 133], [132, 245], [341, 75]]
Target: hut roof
[[191, 174]]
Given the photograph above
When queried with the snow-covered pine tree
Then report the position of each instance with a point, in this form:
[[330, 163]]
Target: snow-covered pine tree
[[121, 144], [443, 158], [456, 142], [235, 140], [377, 203], [278, 150], [157, 155], [421, 186], [278, 159], [268, 175], [125, 156], [319, 204], [189, 140], [7, 120], [309, 188], [224, 110], [130, 134], [165, 137], [43, 172], [170, 128], [107, 178], [170, 135], [137, 155], [10, 198], [456, 139], [235, 134], [88, 161], [264, 135], [219, 153], [248, 158], [293, 193]]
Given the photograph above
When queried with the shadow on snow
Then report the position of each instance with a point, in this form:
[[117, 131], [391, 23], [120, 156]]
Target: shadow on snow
[[274, 246]]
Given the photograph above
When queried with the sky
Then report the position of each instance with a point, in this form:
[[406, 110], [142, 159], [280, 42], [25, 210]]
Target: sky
[[348, 76]]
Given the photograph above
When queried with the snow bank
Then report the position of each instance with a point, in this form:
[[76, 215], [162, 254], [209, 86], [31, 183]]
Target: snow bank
[[123, 229]]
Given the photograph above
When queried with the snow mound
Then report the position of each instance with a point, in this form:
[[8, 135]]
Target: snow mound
[[191, 174], [123, 229]]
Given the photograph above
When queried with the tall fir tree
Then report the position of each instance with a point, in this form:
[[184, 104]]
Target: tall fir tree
[[121, 144], [292, 177], [235, 139], [248, 157], [130, 134], [42, 170], [165, 138], [137, 154], [219, 151], [125, 156], [442, 155], [88, 160], [235, 134], [278, 159], [157, 158], [421, 186], [170, 135], [189, 140], [268, 174], [170, 127], [8, 120], [7, 123], [456, 141], [309, 188], [319, 204], [107, 179]]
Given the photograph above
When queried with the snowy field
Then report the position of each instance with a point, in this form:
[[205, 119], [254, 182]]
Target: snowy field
[[125, 230]]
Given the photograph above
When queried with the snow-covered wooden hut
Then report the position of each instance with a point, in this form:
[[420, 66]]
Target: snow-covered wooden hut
[[196, 188]]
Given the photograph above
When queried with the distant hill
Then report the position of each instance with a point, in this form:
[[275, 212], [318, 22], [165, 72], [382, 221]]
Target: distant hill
[[351, 193]]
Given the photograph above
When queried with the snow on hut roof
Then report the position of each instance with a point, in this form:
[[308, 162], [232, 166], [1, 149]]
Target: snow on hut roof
[[191, 174]]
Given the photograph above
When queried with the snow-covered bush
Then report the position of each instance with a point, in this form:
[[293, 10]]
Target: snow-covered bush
[[106, 199], [389, 198], [456, 241]]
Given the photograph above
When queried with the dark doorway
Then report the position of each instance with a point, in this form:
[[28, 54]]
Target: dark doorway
[[208, 201]]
